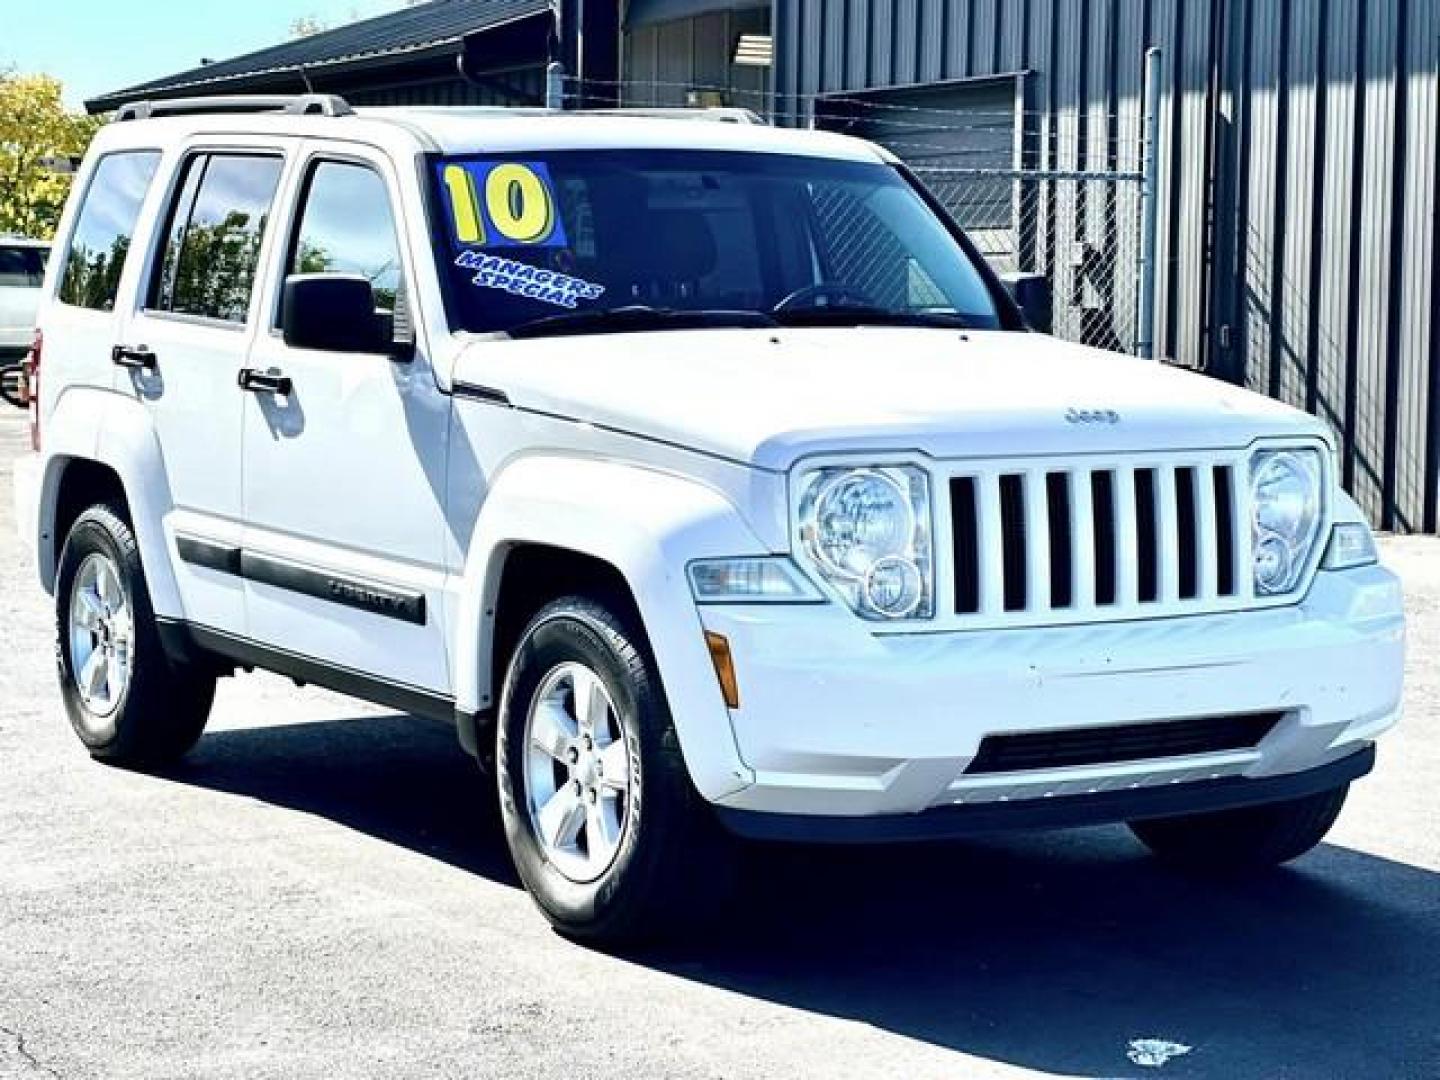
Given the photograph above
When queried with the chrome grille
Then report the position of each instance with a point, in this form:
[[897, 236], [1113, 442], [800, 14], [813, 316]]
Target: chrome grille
[[1052, 542]]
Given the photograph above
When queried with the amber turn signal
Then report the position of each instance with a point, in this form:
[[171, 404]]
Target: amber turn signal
[[719, 647]]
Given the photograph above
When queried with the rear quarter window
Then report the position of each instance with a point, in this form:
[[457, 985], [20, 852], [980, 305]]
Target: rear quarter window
[[106, 225]]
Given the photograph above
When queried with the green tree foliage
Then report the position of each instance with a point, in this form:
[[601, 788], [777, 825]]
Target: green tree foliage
[[92, 277], [213, 271], [35, 131]]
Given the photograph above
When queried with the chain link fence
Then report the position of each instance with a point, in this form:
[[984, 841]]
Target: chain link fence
[[1061, 196], [1080, 230]]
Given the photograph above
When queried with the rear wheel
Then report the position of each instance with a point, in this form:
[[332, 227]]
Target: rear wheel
[[606, 830], [127, 701], [1250, 838]]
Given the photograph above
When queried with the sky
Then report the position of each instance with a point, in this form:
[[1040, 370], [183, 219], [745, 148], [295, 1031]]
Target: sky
[[94, 46]]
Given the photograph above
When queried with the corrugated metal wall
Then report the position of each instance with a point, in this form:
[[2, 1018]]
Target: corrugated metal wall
[[662, 61], [1326, 252], [1298, 244], [523, 86], [1087, 57]]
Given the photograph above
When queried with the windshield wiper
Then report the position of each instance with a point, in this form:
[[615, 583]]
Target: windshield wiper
[[865, 315], [638, 317]]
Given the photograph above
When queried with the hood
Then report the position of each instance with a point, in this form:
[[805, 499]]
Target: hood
[[770, 397]]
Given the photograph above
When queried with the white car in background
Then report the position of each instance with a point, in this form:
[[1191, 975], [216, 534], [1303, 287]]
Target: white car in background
[[22, 272]]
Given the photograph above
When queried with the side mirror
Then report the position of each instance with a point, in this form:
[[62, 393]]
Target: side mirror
[[336, 313], [1032, 295]]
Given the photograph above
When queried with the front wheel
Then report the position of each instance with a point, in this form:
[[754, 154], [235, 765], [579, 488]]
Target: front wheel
[[605, 828], [127, 700], [1247, 839]]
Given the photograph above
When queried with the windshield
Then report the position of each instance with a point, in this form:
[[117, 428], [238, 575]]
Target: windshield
[[587, 241]]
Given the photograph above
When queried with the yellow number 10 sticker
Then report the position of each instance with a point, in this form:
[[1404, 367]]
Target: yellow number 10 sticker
[[509, 203]]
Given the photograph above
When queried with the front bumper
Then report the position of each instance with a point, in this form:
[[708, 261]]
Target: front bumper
[[835, 721], [1098, 808]]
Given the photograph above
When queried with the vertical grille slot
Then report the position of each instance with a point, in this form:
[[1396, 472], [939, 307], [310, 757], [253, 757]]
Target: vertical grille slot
[[1147, 536], [965, 513], [1102, 499], [1186, 536], [1062, 554], [1126, 538], [1013, 531], [1225, 530]]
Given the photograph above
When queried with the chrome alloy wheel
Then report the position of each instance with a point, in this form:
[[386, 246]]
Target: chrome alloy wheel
[[102, 636], [577, 772]]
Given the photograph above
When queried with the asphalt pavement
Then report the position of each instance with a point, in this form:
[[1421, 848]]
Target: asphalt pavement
[[322, 890]]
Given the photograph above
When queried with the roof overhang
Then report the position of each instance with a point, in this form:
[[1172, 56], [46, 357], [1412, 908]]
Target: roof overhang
[[640, 13], [524, 30]]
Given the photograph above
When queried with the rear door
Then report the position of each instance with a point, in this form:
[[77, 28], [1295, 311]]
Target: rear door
[[81, 318], [182, 347], [344, 470]]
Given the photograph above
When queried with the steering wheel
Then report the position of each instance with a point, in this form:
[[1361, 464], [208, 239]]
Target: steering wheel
[[836, 293]]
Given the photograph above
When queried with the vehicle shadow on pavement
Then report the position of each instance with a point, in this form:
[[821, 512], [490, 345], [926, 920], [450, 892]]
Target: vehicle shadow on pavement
[[1050, 951], [1054, 951], [399, 778]]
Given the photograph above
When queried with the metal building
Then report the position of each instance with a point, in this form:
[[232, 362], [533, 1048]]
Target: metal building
[[449, 52], [1299, 173], [1297, 188]]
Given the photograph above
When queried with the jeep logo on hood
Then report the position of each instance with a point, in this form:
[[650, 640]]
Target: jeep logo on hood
[[1091, 416]]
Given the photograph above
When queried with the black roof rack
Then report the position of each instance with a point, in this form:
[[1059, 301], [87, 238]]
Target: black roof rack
[[289, 104]]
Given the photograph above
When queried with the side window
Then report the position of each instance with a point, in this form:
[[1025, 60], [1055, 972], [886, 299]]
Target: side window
[[22, 267], [346, 227], [101, 239], [212, 245]]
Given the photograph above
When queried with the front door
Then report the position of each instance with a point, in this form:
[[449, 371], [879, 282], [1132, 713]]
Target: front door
[[344, 464]]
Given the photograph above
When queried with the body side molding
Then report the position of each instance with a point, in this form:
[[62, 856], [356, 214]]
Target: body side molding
[[207, 553], [406, 605], [376, 597]]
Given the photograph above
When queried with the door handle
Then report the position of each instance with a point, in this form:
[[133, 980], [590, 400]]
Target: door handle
[[135, 357], [264, 382]]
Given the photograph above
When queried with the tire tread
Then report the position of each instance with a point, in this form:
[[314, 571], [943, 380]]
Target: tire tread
[[166, 707], [1247, 839], [685, 875]]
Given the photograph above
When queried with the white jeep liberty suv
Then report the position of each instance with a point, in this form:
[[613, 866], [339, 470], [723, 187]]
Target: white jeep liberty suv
[[700, 472]]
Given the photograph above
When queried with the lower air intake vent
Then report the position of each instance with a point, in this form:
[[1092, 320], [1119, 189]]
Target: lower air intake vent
[[1122, 742]]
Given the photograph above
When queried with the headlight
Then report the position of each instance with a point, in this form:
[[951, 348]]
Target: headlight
[[866, 531], [1285, 500]]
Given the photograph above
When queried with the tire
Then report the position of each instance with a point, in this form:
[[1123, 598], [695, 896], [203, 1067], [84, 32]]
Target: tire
[[1249, 839], [149, 710], [659, 861]]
